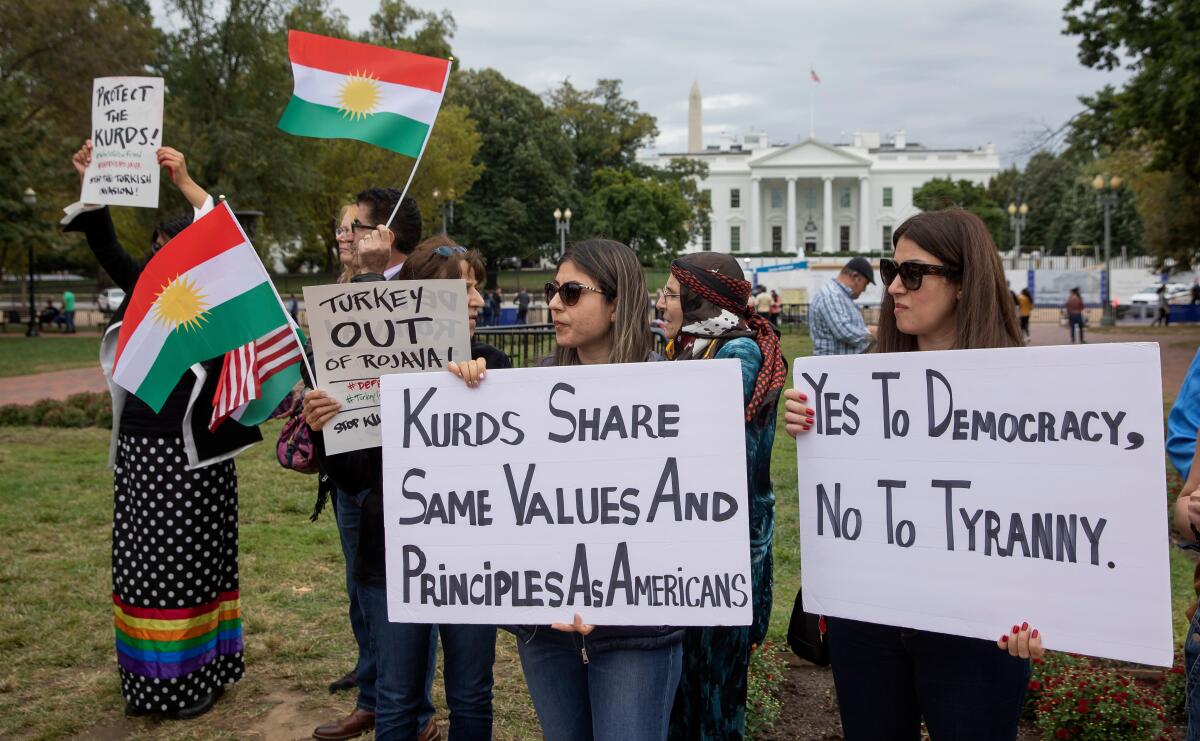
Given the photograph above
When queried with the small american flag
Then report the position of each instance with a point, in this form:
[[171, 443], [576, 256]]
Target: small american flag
[[813, 73], [247, 367]]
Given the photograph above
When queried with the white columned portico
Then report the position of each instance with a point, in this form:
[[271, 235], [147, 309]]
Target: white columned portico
[[752, 244], [864, 226], [790, 243], [827, 214]]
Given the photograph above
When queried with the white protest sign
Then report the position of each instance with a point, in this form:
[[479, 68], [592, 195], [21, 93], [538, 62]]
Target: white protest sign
[[127, 118], [360, 331], [617, 492], [965, 491]]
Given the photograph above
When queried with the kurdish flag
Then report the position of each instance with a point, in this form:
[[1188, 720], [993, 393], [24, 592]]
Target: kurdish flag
[[348, 90], [202, 295]]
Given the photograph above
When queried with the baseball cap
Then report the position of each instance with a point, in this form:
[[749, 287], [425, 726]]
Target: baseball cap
[[861, 266]]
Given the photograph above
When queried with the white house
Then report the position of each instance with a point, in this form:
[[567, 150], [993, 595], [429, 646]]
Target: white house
[[813, 196]]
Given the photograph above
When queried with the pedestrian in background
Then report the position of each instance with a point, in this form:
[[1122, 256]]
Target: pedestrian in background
[[834, 320], [1074, 308]]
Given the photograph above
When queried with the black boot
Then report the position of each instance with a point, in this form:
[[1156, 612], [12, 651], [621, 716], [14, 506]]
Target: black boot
[[200, 707]]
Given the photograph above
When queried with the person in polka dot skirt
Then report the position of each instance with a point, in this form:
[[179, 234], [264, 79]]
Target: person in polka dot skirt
[[176, 608]]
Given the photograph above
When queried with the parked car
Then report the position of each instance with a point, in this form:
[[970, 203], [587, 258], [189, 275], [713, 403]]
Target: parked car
[[110, 299], [1149, 295]]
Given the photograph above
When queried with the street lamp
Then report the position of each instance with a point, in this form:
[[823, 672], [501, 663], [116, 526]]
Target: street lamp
[[447, 221], [1106, 198], [1016, 217], [30, 199], [562, 225]]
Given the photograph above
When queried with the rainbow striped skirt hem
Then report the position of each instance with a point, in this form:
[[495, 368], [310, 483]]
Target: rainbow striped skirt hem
[[172, 643]]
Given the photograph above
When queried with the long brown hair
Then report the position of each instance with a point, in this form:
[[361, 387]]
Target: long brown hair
[[347, 270], [984, 313], [616, 270]]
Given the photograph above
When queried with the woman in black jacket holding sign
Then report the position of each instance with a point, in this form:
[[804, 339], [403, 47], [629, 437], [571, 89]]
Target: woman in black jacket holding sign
[[594, 683], [402, 650], [945, 290], [174, 548]]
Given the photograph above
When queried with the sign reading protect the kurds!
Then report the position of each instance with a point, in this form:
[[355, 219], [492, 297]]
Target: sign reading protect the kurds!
[[966, 491], [617, 492], [127, 117], [362, 330]]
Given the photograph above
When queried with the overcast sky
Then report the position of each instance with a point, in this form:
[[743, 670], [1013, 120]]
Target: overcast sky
[[952, 73]]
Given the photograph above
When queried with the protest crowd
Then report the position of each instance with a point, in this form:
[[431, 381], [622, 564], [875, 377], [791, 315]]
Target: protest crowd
[[175, 435]]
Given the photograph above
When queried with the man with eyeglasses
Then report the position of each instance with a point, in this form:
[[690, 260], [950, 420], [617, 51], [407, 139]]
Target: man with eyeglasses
[[834, 320], [380, 249]]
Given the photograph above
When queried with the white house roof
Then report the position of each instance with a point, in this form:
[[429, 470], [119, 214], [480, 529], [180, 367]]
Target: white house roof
[[808, 153]]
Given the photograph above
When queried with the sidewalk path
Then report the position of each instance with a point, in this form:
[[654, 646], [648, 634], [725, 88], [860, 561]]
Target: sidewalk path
[[1176, 349], [53, 385]]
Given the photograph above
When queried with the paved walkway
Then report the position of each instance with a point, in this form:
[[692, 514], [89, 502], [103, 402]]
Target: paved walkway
[[1176, 347], [52, 385]]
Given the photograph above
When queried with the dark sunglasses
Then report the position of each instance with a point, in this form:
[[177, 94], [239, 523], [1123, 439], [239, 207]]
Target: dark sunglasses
[[570, 292], [449, 250], [912, 273]]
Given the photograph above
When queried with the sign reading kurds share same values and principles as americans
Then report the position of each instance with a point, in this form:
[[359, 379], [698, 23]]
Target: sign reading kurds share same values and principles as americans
[[127, 119], [362, 330], [617, 492], [348, 90], [967, 491]]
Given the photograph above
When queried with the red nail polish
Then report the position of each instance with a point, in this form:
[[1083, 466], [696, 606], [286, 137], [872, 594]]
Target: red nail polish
[[1004, 639], [1034, 633], [1016, 629], [803, 397], [1024, 626]]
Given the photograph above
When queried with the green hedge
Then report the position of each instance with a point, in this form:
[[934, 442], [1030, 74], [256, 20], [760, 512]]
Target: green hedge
[[78, 410]]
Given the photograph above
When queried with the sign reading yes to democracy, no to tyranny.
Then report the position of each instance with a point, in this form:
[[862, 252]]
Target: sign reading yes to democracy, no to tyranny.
[[127, 116], [362, 330], [617, 492], [965, 491]]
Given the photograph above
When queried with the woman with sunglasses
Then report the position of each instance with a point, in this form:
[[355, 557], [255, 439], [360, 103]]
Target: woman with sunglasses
[[705, 308], [587, 682], [404, 653], [945, 290]]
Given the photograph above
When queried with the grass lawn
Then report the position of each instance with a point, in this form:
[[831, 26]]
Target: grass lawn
[[58, 673], [20, 355]]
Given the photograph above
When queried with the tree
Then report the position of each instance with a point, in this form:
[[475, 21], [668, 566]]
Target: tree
[[1160, 43], [527, 163], [942, 193], [649, 214], [604, 129]]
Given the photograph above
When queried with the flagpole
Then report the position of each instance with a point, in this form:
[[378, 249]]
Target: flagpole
[[412, 173], [812, 130]]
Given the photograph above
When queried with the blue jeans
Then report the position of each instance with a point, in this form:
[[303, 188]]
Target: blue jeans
[[1076, 320], [888, 679], [621, 695], [1191, 652], [348, 512]]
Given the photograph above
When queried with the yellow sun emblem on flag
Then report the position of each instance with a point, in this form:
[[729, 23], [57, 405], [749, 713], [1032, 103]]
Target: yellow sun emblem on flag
[[359, 96], [180, 303]]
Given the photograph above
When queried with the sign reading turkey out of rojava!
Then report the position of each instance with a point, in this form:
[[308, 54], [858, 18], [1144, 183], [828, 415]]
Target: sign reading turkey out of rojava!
[[966, 491], [617, 492], [360, 331]]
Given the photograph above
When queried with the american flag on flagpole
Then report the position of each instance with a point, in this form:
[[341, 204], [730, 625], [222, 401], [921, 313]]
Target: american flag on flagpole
[[813, 73], [256, 377]]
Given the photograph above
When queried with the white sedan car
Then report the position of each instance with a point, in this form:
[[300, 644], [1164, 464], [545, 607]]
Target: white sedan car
[[1149, 295], [110, 299]]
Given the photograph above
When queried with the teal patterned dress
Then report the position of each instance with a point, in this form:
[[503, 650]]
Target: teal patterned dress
[[711, 701]]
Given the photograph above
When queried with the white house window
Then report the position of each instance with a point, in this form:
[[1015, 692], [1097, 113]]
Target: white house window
[[706, 238], [810, 198], [776, 198], [887, 236], [844, 237], [735, 198], [845, 201], [777, 239], [887, 197], [735, 239]]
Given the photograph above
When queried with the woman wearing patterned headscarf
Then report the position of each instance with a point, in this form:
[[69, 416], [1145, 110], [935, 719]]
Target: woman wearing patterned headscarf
[[705, 307]]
